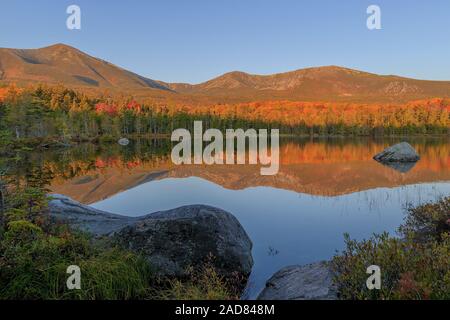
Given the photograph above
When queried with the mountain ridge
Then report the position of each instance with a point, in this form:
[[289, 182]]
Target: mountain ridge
[[61, 63], [70, 66]]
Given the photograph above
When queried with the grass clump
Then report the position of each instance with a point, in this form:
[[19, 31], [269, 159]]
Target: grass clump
[[201, 284], [35, 254], [415, 266]]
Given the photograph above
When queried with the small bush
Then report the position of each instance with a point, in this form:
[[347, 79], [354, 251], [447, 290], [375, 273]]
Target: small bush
[[416, 266], [409, 270], [22, 231], [429, 221]]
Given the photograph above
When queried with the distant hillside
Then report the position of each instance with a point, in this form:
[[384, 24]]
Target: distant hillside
[[323, 83], [71, 67], [63, 64]]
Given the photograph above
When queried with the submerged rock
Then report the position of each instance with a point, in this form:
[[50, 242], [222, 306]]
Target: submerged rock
[[401, 152], [402, 167], [308, 282], [123, 142], [173, 240]]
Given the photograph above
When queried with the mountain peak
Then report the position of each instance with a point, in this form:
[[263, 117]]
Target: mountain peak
[[61, 63], [60, 47]]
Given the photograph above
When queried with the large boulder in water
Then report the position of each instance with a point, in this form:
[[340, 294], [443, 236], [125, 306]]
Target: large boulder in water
[[172, 241], [309, 282], [401, 152]]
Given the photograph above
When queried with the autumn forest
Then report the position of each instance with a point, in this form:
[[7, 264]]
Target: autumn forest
[[40, 112]]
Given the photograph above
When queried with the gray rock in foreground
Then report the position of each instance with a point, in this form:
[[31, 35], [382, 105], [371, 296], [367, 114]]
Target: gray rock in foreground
[[172, 240], [309, 282], [401, 152]]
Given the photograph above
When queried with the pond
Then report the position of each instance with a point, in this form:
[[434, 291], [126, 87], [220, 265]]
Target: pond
[[324, 188]]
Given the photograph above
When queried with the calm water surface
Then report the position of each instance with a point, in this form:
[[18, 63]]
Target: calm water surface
[[325, 188]]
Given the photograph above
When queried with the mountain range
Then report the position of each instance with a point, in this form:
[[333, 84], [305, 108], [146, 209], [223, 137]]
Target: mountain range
[[62, 64]]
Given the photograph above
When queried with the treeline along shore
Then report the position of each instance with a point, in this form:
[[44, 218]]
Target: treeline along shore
[[39, 113]]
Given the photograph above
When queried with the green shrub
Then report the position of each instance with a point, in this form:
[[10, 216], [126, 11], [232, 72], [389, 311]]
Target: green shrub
[[416, 266], [22, 231], [409, 270], [35, 254], [429, 221]]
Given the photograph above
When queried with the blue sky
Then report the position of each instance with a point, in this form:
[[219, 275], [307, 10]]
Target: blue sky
[[193, 41]]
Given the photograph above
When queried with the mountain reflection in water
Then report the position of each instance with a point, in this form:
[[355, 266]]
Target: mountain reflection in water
[[324, 189], [327, 168]]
